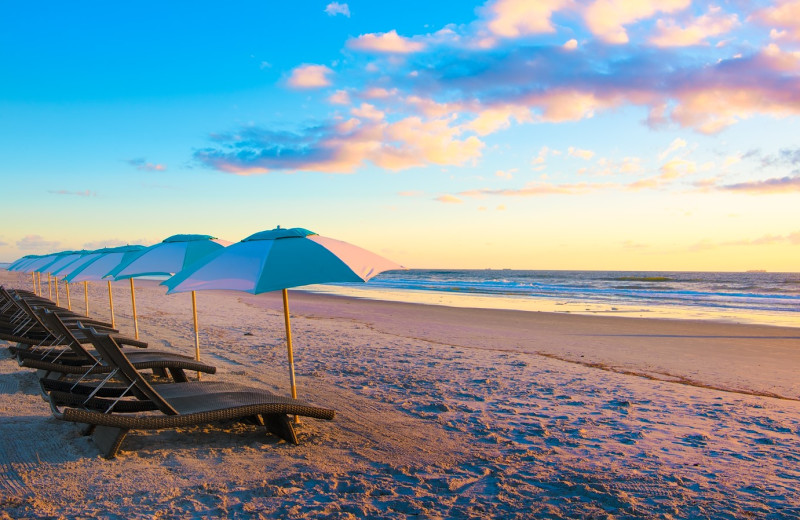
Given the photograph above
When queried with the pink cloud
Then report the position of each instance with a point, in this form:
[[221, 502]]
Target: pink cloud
[[340, 97], [713, 23], [785, 14], [494, 118], [309, 77], [345, 146], [607, 18], [560, 105], [515, 18], [389, 42], [379, 93], [367, 111], [789, 184]]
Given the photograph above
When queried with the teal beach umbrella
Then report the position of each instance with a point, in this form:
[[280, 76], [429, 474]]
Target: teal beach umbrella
[[278, 259]]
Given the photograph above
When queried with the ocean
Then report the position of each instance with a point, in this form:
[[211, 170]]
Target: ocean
[[749, 297]]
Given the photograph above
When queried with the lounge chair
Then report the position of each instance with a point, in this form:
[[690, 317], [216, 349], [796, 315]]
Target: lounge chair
[[19, 324], [175, 405], [77, 360], [35, 339]]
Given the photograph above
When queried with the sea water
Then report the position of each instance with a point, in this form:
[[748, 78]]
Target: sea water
[[748, 297]]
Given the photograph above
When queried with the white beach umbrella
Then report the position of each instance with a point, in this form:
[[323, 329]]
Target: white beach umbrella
[[166, 258], [20, 263], [62, 264], [276, 260], [41, 265], [95, 266]]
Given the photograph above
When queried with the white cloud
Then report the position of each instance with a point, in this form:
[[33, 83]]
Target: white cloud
[[675, 145], [390, 43], [335, 8]]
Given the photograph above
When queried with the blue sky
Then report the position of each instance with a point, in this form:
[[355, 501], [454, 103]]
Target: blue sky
[[550, 134]]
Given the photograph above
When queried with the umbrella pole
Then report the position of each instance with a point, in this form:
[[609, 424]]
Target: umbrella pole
[[69, 302], [86, 296], [39, 277], [49, 287], [196, 331], [111, 305], [55, 282], [133, 305], [289, 342]]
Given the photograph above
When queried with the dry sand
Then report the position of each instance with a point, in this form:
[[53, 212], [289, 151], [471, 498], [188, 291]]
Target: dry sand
[[441, 413]]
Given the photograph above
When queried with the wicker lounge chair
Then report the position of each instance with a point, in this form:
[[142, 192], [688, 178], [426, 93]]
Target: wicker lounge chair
[[75, 359], [175, 404], [19, 324], [37, 340]]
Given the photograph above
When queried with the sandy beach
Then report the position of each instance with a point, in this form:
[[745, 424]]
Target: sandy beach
[[441, 413]]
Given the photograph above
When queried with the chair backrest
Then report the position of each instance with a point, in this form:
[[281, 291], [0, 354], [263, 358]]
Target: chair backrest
[[34, 321], [53, 324], [110, 351]]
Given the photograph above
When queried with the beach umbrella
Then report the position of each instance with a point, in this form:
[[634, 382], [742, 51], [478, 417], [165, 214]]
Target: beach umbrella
[[95, 266], [166, 258], [61, 264], [13, 266], [16, 265], [279, 259], [41, 265]]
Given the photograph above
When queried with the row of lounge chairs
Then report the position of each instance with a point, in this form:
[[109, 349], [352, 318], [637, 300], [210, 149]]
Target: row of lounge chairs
[[91, 374]]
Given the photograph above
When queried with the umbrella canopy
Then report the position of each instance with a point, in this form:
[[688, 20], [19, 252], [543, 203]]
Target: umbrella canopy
[[95, 266], [40, 264], [13, 266], [280, 259], [165, 259], [65, 262]]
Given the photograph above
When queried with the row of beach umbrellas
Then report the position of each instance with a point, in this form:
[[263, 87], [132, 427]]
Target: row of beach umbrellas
[[272, 260]]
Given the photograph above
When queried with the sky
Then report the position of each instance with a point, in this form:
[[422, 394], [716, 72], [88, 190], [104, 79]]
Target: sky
[[539, 134]]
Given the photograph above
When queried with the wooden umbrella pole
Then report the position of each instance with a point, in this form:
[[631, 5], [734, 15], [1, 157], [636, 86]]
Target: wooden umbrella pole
[[133, 305], [289, 342], [69, 302], [39, 277], [111, 305], [55, 282], [86, 296], [196, 331], [289, 348], [49, 287]]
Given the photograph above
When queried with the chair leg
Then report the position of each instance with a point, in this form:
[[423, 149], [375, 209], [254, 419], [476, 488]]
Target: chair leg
[[178, 375], [280, 425], [109, 439]]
